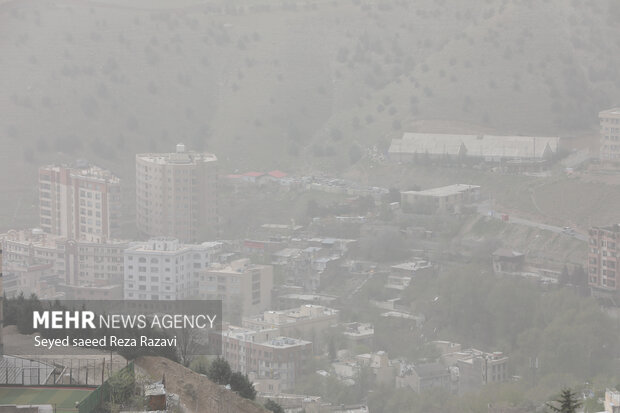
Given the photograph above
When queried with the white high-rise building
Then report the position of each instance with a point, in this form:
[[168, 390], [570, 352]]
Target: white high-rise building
[[610, 135]]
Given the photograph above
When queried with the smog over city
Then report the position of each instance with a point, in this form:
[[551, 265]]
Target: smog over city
[[318, 206]]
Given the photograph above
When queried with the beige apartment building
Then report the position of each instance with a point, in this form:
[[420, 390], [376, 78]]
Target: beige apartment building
[[79, 202], [176, 195], [610, 135], [273, 362], [243, 287]]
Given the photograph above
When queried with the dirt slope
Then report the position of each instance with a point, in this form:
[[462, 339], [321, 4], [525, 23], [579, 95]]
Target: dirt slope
[[198, 393]]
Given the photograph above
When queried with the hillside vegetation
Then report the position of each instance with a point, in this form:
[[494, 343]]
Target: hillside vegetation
[[289, 85]]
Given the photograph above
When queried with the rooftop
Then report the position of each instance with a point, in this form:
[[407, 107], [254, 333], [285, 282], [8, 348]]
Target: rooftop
[[506, 253], [169, 245], [253, 174], [180, 157], [469, 355], [444, 190], [358, 329], [412, 265], [475, 145], [277, 174], [239, 266], [428, 370], [84, 171], [285, 342], [308, 297], [293, 315], [611, 228], [613, 111], [256, 336], [39, 238]]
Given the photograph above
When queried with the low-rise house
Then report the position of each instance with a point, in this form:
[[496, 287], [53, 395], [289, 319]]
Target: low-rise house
[[612, 401], [383, 369], [358, 334], [34, 278], [398, 282], [299, 298], [506, 261], [422, 377], [308, 322], [446, 347], [444, 199], [477, 368], [410, 268]]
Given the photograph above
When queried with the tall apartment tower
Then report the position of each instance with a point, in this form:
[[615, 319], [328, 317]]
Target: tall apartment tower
[[176, 195], [603, 260], [81, 202], [610, 135]]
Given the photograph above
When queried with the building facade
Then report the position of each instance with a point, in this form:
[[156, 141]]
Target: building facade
[[443, 199], [81, 203], [612, 401], [243, 287], [486, 148], [76, 263], [424, 377], [610, 135], [176, 195], [265, 355], [477, 368], [164, 269], [603, 259]]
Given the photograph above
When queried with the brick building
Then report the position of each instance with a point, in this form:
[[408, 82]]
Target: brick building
[[603, 260], [79, 202]]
